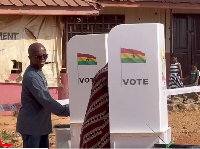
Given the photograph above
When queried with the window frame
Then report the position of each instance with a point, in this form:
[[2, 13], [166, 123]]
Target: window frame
[[82, 23]]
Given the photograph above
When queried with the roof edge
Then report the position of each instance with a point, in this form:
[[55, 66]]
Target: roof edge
[[150, 4], [156, 1], [49, 10]]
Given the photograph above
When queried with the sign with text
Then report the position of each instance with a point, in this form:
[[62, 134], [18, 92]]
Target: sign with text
[[86, 55], [17, 33], [136, 78], [8, 36]]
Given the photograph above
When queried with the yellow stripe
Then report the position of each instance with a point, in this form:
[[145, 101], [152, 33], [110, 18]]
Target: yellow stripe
[[85, 59], [127, 55]]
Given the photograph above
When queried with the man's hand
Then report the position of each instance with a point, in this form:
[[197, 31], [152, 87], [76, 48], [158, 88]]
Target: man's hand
[[182, 79], [67, 108], [67, 105]]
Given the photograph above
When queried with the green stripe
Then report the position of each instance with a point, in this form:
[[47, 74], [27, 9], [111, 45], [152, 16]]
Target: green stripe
[[132, 60], [140, 57], [87, 63], [89, 59]]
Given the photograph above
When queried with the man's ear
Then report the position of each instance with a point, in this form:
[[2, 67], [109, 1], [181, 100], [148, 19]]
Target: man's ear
[[29, 57]]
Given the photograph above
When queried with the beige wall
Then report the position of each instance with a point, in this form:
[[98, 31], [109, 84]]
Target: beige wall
[[149, 15], [144, 15]]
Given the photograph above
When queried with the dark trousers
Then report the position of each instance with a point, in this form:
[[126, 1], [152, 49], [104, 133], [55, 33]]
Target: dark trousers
[[35, 141]]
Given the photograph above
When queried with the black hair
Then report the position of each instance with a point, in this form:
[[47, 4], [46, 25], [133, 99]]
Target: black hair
[[173, 55], [194, 64]]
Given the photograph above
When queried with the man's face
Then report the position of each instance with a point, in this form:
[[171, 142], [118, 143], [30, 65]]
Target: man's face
[[38, 57]]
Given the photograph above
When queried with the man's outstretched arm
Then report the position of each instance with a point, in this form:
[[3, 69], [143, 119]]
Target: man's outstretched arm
[[44, 98]]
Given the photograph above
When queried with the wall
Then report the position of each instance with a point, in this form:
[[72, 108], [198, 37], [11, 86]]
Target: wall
[[11, 93], [151, 15], [146, 15], [34, 25]]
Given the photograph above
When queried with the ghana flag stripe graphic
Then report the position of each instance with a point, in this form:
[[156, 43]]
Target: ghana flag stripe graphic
[[132, 56], [86, 59]]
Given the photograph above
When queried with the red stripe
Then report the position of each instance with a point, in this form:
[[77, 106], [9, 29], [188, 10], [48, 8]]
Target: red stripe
[[131, 51], [85, 55], [6, 145]]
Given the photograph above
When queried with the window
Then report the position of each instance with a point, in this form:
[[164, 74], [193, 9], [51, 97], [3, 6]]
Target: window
[[82, 25], [17, 67], [93, 24]]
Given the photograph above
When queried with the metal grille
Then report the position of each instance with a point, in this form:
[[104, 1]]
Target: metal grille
[[81, 25]]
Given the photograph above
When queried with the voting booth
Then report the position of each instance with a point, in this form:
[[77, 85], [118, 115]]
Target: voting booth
[[137, 86], [86, 55]]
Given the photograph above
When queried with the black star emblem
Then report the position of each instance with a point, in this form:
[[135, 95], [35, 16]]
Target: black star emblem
[[87, 59], [133, 55]]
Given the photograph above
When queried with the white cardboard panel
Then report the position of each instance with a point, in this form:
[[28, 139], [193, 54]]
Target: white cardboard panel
[[75, 135], [79, 76], [143, 102], [140, 140]]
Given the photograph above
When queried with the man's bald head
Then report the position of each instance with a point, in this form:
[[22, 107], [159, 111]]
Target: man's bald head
[[35, 47], [37, 55]]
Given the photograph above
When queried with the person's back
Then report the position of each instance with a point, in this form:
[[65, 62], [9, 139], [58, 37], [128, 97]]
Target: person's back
[[95, 131]]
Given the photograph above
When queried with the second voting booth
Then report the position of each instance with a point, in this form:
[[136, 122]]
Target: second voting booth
[[86, 55]]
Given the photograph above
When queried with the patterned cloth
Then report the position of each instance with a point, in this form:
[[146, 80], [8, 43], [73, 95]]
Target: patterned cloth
[[174, 79], [95, 131]]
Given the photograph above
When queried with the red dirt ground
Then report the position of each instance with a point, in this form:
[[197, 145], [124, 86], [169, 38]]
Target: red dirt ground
[[185, 127]]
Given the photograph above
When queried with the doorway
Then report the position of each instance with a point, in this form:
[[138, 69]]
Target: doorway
[[186, 40]]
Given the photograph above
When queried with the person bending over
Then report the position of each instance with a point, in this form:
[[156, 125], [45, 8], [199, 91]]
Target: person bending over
[[95, 132]]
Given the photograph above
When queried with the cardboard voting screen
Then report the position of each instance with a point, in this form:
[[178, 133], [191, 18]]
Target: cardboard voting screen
[[137, 79], [86, 55]]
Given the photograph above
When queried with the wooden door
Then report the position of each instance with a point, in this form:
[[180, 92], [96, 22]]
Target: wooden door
[[196, 39], [182, 41]]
